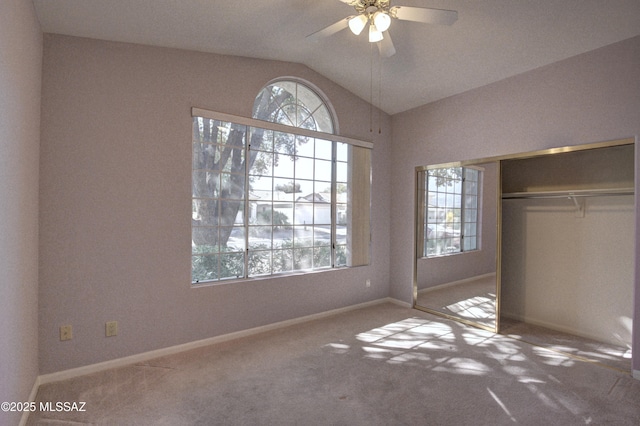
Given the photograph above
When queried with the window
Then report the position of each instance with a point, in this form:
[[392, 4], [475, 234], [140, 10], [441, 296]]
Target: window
[[293, 104], [277, 197], [451, 210]]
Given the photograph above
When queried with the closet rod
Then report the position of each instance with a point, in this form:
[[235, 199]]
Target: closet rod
[[569, 194]]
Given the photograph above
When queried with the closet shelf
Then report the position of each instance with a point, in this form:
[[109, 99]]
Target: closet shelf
[[569, 193]]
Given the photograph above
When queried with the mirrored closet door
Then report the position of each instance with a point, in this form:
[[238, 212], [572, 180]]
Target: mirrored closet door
[[456, 262]]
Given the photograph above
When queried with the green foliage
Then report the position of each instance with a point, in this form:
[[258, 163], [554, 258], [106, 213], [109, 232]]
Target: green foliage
[[446, 176], [211, 266], [289, 188], [278, 219]]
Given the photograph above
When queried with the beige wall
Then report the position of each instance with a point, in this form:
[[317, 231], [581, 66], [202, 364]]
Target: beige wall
[[588, 98], [20, 77], [116, 208]]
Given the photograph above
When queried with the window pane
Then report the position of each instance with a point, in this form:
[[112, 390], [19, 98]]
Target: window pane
[[260, 237], [261, 139], [205, 239], [303, 117], [205, 184], [341, 234], [342, 151], [305, 189], [322, 257], [470, 201], [341, 214], [205, 156], [231, 186], [237, 238], [342, 172], [260, 183], [283, 165], [304, 168], [303, 214], [232, 265], [322, 236], [260, 263], [204, 268], [323, 170], [323, 120], [284, 143], [285, 191], [322, 213], [305, 147], [470, 243], [308, 97], [324, 149], [282, 236], [282, 260], [341, 255], [303, 258], [204, 211], [262, 165], [303, 236]]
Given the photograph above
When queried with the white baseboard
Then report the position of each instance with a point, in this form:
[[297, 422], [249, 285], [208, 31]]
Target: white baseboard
[[145, 356], [560, 328], [400, 303], [32, 398]]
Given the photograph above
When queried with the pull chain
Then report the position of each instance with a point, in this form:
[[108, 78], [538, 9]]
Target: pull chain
[[379, 92], [371, 88]]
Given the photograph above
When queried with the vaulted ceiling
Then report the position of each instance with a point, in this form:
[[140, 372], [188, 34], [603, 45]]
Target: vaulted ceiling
[[491, 40]]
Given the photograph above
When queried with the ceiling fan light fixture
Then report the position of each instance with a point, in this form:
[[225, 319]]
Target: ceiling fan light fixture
[[375, 34], [382, 21], [357, 24]]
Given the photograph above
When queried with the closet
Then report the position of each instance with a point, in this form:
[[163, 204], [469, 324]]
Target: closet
[[568, 238]]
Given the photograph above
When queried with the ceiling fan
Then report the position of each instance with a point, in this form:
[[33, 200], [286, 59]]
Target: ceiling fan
[[378, 14]]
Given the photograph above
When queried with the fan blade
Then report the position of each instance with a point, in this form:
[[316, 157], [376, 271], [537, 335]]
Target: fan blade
[[428, 16], [330, 30], [385, 46]]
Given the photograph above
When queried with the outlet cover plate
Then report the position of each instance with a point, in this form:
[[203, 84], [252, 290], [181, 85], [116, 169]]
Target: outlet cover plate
[[111, 328]]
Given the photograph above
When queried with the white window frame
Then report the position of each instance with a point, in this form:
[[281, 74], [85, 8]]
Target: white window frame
[[253, 123], [438, 236]]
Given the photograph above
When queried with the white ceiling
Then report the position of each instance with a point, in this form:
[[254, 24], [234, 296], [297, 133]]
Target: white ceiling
[[492, 39]]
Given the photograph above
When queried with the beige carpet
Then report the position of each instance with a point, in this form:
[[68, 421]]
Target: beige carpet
[[605, 354], [382, 365]]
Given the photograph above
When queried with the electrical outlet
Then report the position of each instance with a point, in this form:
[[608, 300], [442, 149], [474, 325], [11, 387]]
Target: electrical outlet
[[367, 283], [111, 328], [66, 332]]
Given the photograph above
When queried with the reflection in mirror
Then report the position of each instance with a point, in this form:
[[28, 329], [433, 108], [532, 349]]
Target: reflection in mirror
[[456, 242]]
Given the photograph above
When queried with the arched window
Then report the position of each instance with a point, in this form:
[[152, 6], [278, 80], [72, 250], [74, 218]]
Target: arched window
[[277, 193], [293, 104]]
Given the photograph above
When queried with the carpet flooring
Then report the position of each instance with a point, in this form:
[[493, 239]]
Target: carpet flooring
[[380, 365]]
